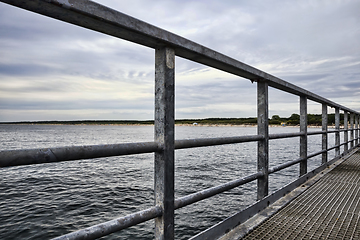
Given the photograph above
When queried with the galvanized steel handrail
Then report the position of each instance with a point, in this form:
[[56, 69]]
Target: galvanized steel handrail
[[286, 135], [201, 195], [167, 45], [285, 165], [70, 153], [115, 225], [21, 157], [204, 142]]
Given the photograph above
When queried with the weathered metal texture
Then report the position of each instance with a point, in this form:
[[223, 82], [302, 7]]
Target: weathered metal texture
[[249, 225], [331, 131], [198, 196], [315, 154], [324, 136], [220, 229], [99, 18], [328, 209], [356, 129], [285, 135], [303, 139], [314, 133], [334, 147], [351, 130], [263, 145], [284, 165], [293, 162], [70, 153], [346, 139], [112, 226], [48, 155], [164, 136], [203, 142], [94, 16]]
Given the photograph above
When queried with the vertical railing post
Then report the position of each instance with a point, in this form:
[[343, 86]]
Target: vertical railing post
[[337, 133], [303, 139], [356, 129], [351, 130], [346, 148], [324, 135], [263, 145], [164, 135]]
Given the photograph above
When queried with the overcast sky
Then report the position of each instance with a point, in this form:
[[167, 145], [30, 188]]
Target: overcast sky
[[51, 70]]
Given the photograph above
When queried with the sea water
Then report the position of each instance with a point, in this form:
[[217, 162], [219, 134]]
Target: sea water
[[49, 200]]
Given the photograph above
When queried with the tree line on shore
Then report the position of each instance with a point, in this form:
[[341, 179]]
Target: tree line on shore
[[312, 119], [293, 120]]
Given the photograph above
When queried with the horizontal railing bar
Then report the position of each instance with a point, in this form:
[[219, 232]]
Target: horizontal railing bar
[[99, 18], [322, 132], [48, 155], [106, 228], [315, 132], [203, 142], [285, 135], [348, 130], [118, 224], [331, 148], [332, 131], [285, 165], [316, 153], [198, 196]]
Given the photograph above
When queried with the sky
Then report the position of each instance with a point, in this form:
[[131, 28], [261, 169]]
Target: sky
[[51, 70]]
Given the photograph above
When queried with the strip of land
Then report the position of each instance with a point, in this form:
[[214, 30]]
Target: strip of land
[[293, 120]]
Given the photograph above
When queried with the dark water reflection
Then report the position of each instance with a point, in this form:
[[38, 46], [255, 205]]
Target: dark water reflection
[[45, 201]]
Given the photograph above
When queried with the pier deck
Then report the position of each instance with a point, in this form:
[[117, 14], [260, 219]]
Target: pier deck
[[328, 209]]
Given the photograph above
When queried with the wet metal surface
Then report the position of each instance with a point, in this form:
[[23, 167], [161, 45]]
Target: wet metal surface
[[112, 226]]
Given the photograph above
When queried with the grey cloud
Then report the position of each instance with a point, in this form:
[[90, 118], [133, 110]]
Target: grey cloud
[[143, 104], [225, 92], [310, 44], [24, 69]]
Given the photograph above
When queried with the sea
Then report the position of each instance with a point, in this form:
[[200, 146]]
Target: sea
[[48, 200]]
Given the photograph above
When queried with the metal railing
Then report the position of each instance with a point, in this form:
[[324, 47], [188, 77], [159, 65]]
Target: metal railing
[[167, 45]]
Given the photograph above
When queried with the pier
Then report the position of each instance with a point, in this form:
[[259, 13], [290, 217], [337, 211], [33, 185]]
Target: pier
[[325, 207], [300, 207]]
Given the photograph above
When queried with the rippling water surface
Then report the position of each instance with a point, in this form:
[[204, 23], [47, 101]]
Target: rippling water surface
[[48, 200]]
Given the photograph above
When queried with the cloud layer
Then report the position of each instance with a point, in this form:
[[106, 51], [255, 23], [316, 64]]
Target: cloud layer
[[50, 70]]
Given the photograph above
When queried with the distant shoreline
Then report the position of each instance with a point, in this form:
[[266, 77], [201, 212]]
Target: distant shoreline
[[314, 120], [151, 124]]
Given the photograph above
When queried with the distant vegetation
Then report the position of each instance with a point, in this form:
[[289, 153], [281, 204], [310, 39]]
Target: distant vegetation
[[294, 119], [313, 119]]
